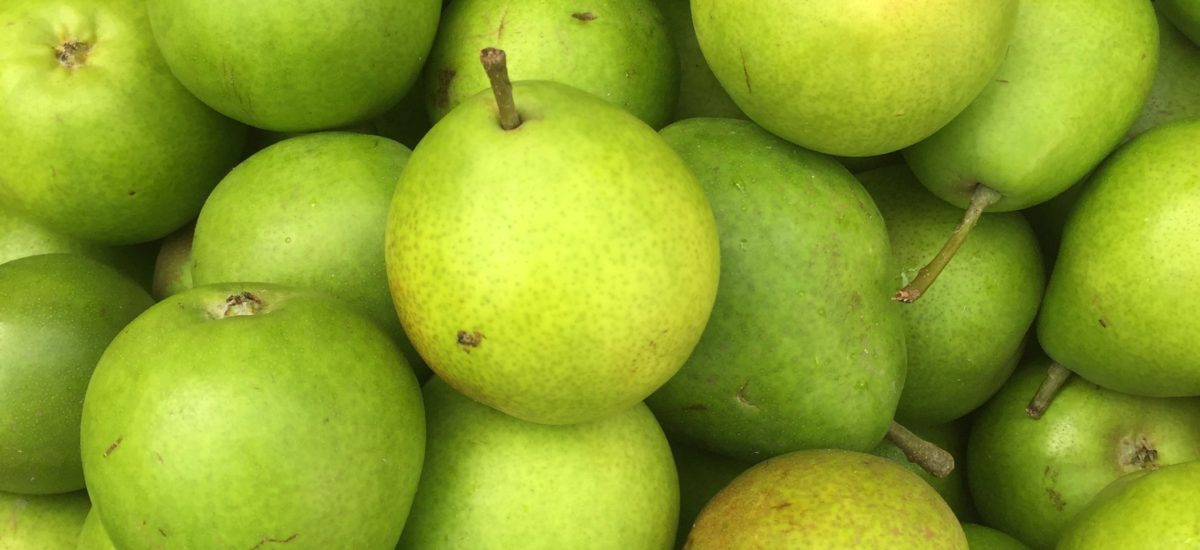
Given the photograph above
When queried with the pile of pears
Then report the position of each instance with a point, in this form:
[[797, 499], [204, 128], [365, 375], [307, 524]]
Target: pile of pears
[[633, 274]]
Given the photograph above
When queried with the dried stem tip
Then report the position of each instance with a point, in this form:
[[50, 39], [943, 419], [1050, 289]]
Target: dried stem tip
[[496, 66], [932, 458]]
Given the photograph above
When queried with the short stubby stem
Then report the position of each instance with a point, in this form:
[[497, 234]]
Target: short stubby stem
[[933, 459], [1056, 376], [496, 65]]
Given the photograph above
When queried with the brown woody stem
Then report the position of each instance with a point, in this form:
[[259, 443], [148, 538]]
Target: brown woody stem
[[982, 198], [496, 66], [932, 458], [1056, 376]]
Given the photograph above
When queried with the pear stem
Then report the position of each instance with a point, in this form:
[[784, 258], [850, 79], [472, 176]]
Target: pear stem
[[1056, 376], [933, 459], [982, 198], [496, 65]]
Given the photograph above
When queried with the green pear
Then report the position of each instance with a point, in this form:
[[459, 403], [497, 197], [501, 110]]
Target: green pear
[[827, 499], [1156, 507], [1052, 111], [700, 93], [100, 141], [965, 339], [951, 437], [42, 522], [93, 536], [1185, 15], [236, 416], [296, 67], [173, 264], [851, 77], [982, 537], [560, 271], [1120, 305], [21, 236], [492, 481], [60, 311], [1174, 95], [1030, 477], [702, 474], [804, 349], [618, 50], [308, 211]]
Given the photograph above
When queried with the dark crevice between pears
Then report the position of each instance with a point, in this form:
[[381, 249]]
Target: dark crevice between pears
[[981, 198]]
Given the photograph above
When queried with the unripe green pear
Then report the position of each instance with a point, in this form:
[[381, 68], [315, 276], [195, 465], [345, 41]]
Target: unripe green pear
[[1156, 507], [42, 522]]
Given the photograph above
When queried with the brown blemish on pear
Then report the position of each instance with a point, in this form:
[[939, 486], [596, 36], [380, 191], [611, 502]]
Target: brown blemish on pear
[[72, 53]]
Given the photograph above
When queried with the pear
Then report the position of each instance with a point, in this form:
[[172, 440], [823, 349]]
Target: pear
[[700, 93], [93, 536], [1056, 106], [852, 77], [702, 474], [618, 50], [21, 236], [559, 271], [1173, 96], [951, 437], [492, 481], [1157, 506], [1185, 14], [1120, 306], [827, 499], [42, 522], [1029, 478], [803, 349], [982, 537], [965, 339], [173, 264]]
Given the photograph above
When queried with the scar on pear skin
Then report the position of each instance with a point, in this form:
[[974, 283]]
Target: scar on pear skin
[[470, 340], [584, 15], [112, 447]]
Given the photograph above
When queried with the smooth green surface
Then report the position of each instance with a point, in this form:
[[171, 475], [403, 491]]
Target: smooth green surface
[[309, 211], [298, 423], [1120, 306], [827, 499], [804, 348], [1073, 80], [59, 313], [951, 437], [20, 236], [982, 537], [966, 334], [1174, 95], [1156, 508], [700, 93], [853, 77], [702, 474], [492, 481], [173, 264], [561, 271], [296, 65], [618, 50], [93, 536], [44, 522], [1030, 477], [113, 150], [1185, 15]]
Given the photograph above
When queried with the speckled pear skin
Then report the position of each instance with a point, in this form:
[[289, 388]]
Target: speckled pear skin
[[42, 522], [827, 499], [1156, 507], [1029, 478], [852, 77], [804, 348], [494, 482], [1185, 15], [965, 337], [1120, 308], [982, 537], [619, 50], [1074, 79], [560, 271]]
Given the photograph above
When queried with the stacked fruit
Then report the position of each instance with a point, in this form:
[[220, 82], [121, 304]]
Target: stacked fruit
[[628, 274]]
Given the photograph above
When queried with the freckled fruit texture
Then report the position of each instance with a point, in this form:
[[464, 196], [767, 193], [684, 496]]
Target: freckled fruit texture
[[618, 50], [42, 522], [494, 482], [296, 65], [827, 499], [852, 77], [100, 141], [1030, 477], [310, 212], [1152, 507], [57, 314], [1073, 81], [1120, 309], [237, 416], [560, 271], [804, 348]]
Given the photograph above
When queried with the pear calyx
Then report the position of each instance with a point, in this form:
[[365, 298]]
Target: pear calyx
[[237, 305], [72, 53]]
